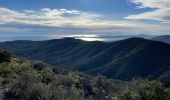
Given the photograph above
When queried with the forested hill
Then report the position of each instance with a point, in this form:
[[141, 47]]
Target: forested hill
[[125, 59]]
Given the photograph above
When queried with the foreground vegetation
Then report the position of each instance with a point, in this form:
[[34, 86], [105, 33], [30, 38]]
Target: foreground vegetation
[[32, 80]]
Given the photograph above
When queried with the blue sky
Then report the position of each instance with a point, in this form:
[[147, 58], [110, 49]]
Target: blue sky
[[46, 19]]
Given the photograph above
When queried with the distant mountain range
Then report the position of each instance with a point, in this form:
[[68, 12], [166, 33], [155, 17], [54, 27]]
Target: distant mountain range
[[124, 59], [111, 38], [163, 38]]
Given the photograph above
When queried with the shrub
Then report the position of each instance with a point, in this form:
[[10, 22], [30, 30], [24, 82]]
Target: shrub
[[5, 56], [40, 92], [145, 90], [46, 78], [103, 88], [39, 66]]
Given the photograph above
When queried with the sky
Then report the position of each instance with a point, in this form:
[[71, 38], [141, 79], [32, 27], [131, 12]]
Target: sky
[[90, 19]]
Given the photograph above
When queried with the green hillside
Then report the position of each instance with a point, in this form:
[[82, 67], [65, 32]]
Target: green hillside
[[21, 79], [125, 59]]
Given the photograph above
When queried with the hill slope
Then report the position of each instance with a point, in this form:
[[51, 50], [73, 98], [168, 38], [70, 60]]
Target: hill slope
[[163, 38], [123, 59], [31, 80]]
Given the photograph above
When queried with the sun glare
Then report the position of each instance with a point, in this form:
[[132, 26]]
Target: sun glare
[[87, 37]]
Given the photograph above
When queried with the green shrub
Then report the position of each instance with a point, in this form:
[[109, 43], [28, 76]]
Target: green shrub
[[46, 78], [5, 56], [103, 88], [40, 92], [39, 66], [145, 90]]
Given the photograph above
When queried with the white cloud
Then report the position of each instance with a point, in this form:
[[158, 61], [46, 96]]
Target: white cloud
[[151, 3], [44, 17], [160, 10], [56, 18], [8, 15], [76, 19], [162, 15], [13, 29], [60, 11]]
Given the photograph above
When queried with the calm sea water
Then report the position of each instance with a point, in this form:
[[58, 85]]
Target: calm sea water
[[48, 37]]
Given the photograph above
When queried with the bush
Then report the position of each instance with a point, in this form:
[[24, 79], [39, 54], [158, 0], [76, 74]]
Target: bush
[[145, 90], [40, 92], [39, 66], [46, 77], [5, 56], [21, 87], [104, 88]]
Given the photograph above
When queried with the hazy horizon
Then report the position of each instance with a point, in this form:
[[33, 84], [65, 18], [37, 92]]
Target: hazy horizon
[[106, 38]]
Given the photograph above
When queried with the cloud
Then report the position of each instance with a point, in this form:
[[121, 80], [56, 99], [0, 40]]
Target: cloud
[[60, 18], [13, 29], [160, 10], [28, 11], [59, 11], [64, 21], [151, 3]]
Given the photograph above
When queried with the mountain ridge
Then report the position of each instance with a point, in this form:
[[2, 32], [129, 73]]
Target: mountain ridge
[[163, 38], [124, 59]]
